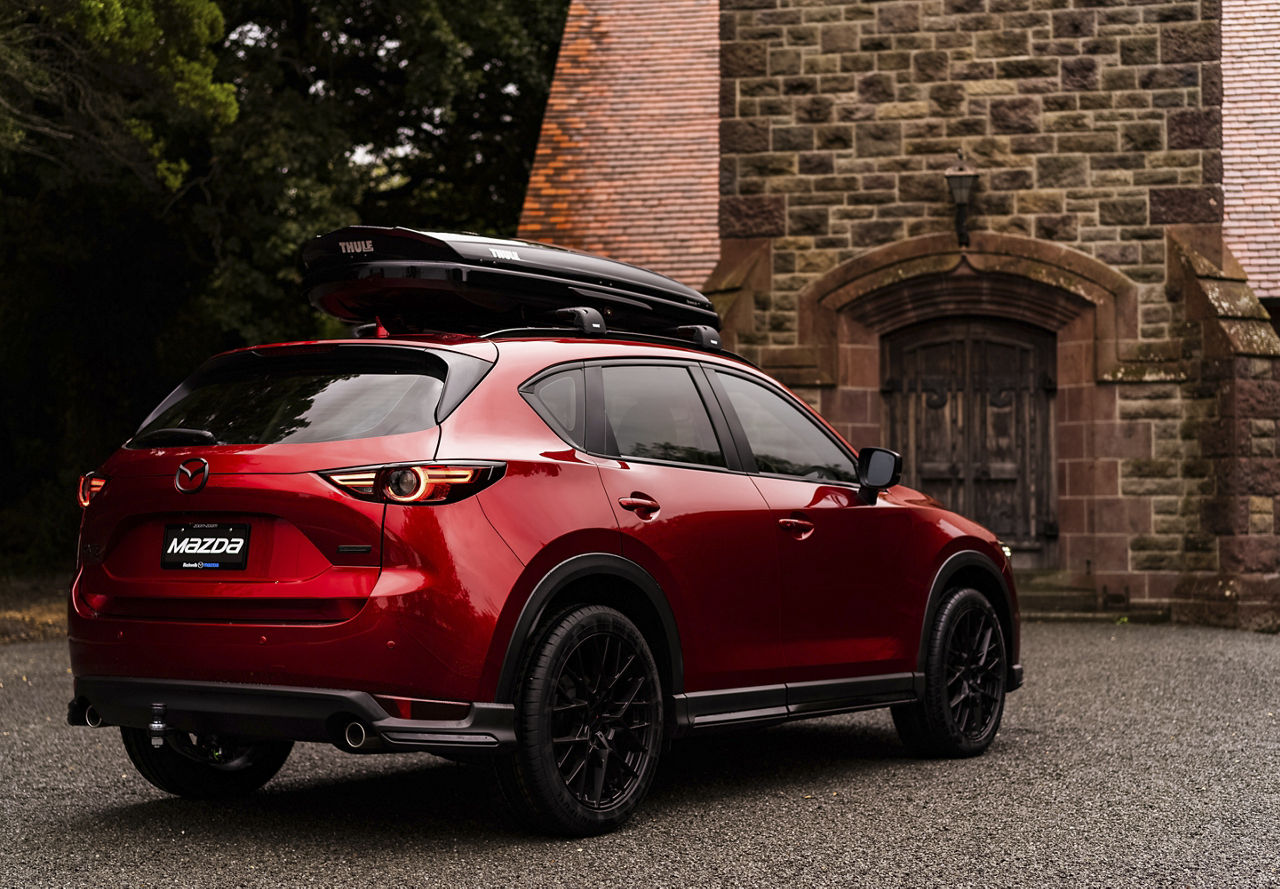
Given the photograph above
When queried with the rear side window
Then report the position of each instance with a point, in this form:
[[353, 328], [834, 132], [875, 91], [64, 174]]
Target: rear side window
[[279, 396], [655, 412], [560, 400]]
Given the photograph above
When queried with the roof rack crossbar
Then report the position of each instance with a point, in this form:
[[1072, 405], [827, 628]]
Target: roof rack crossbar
[[696, 336]]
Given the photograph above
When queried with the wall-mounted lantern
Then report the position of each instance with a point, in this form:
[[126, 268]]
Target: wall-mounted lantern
[[961, 179]]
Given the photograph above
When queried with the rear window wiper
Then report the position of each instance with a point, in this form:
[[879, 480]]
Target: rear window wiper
[[173, 435]]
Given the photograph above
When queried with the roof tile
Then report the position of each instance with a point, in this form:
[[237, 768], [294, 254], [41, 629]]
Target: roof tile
[[628, 160], [1251, 139]]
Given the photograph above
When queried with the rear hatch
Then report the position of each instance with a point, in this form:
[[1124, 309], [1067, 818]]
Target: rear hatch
[[229, 504]]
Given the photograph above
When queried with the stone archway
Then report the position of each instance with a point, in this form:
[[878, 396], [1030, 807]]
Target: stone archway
[[1086, 310]]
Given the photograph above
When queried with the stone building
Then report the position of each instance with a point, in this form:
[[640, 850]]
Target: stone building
[[1094, 376]]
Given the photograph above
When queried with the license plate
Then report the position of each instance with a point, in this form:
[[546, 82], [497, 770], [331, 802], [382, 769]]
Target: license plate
[[206, 546]]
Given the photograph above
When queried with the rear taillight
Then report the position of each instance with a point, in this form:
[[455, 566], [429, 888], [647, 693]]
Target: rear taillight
[[417, 483], [90, 484]]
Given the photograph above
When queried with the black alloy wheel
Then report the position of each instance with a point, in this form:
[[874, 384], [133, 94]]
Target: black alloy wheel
[[975, 673], [589, 725], [965, 679], [601, 719]]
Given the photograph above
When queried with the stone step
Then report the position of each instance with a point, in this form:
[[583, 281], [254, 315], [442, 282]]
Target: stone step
[[1049, 581], [1129, 616], [1057, 600], [1074, 604]]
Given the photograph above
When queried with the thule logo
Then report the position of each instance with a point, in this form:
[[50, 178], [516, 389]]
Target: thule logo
[[499, 253], [206, 546], [356, 246]]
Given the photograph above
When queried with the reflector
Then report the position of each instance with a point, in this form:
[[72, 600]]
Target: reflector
[[90, 485]]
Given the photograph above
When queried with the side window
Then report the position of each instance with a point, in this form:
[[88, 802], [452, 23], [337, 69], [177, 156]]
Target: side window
[[559, 400], [783, 440], [656, 412]]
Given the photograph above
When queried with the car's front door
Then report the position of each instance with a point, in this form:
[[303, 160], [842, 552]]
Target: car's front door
[[690, 517], [843, 614]]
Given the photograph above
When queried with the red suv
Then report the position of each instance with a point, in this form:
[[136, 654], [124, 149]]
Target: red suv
[[555, 545]]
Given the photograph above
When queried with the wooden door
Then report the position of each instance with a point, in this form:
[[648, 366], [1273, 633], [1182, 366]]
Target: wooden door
[[970, 408]]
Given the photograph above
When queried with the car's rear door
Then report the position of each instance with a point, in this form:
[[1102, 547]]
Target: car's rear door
[[689, 516]]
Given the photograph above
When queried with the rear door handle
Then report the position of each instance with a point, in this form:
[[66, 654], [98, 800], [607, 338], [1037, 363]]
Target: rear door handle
[[643, 506], [801, 528]]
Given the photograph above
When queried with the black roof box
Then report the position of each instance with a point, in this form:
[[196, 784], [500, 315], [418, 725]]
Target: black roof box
[[462, 283]]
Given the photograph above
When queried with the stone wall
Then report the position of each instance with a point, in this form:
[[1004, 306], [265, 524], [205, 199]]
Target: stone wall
[[1095, 126], [1091, 125]]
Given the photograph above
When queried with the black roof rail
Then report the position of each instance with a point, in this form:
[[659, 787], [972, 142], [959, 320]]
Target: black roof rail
[[683, 336], [687, 338]]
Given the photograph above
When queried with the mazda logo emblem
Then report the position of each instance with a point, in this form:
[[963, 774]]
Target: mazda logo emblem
[[191, 475]]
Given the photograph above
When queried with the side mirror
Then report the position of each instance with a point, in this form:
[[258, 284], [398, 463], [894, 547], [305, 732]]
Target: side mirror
[[878, 468]]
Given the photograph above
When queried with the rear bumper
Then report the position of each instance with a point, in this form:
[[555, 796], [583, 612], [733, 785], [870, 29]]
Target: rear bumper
[[286, 713]]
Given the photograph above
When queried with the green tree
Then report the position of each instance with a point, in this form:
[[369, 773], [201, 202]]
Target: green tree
[[163, 161], [422, 113], [92, 86]]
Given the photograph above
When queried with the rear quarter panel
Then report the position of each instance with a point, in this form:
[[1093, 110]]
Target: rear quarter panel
[[549, 506]]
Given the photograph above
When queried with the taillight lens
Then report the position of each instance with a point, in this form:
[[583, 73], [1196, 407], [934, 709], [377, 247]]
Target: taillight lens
[[90, 484], [414, 483]]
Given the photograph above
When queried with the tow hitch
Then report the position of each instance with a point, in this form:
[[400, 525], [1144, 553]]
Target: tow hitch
[[157, 728]]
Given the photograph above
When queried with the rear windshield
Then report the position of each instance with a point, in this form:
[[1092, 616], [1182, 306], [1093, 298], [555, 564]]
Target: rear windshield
[[277, 396]]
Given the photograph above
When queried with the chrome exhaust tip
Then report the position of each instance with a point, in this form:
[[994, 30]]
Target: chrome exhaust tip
[[355, 735], [92, 717]]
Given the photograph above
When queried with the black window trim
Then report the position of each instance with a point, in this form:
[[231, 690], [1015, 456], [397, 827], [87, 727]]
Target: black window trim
[[600, 441], [526, 390], [740, 434], [728, 428]]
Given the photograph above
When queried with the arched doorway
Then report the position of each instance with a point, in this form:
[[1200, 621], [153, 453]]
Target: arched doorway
[[968, 402], [1006, 307]]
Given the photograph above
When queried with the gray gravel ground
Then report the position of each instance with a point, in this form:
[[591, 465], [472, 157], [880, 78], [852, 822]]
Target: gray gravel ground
[[1136, 756]]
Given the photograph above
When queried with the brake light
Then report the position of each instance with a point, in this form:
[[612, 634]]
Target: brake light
[[426, 484], [90, 484], [362, 482], [417, 483]]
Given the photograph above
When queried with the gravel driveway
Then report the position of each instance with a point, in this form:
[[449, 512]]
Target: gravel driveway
[[1135, 756]]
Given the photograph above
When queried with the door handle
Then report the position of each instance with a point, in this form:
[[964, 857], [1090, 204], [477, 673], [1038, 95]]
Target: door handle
[[643, 506], [801, 528]]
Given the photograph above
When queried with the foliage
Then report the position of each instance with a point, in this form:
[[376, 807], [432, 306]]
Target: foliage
[[93, 85], [163, 161], [422, 114]]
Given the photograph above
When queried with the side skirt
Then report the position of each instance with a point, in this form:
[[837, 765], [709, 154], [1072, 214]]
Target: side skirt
[[701, 711]]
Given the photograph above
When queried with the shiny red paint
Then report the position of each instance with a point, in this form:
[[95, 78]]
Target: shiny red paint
[[847, 613], [712, 552], [429, 611]]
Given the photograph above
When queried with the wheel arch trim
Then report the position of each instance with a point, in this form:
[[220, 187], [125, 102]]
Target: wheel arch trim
[[951, 566], [581, 567]]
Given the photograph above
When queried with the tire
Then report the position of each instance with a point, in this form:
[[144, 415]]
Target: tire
[[588, 725], [199, 768], [965, 677]]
